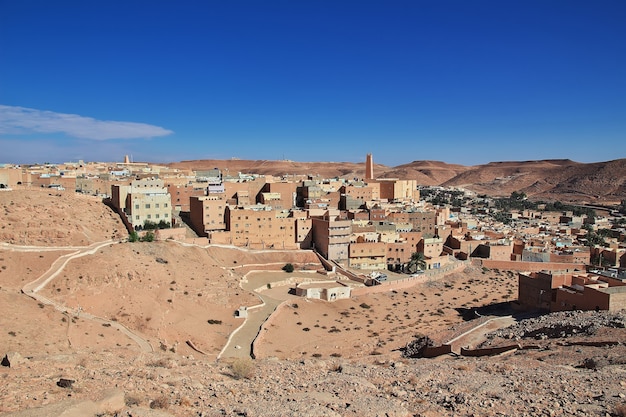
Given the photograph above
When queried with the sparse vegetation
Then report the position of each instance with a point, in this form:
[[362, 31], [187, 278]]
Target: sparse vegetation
[[131, 400], [242, 368], [160, 403]]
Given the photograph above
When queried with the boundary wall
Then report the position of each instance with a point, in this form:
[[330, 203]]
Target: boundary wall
[[529, 266]]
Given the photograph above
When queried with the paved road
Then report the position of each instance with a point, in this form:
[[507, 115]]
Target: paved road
[[32, 288]]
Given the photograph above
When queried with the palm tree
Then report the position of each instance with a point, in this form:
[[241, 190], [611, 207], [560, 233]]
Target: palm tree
[[417, 261]]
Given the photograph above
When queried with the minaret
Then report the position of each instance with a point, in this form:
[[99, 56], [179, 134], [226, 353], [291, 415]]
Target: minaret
[[126, 159], [369, 167]]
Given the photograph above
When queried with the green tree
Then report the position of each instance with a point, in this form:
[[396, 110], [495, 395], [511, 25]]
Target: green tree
[[417, 261], [133, 237], [150, 225], [148, 237], [288, 268]]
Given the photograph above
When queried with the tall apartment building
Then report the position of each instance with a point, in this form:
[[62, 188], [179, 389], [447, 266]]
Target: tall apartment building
[[207, 213], [258, 227], [143, 200], [331, 236]]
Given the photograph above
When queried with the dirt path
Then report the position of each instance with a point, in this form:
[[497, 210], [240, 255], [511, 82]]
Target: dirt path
[[475, 336], [31, 289]]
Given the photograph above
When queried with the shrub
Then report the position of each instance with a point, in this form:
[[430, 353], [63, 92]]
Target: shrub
[[133, 237], [242, 368], [131, 400], [214, 321], [364, 305], [161, 402], [288, 268]]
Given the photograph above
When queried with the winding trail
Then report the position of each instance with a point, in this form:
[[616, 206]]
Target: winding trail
[[239, 344], [31, 289]]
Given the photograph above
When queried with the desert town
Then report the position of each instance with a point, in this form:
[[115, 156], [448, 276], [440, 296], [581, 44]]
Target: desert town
[[237, 267]]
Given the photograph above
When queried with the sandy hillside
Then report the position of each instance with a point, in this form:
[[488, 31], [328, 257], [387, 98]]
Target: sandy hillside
[[41, 217]]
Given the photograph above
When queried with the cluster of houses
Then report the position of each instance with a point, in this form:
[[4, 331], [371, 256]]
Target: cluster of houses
[[366, 224]]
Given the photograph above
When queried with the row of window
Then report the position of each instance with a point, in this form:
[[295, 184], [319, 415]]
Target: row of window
[[260, 226], [156, 205], [156, 216]]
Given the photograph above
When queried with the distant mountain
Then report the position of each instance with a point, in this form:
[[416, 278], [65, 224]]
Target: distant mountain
[[557, 179]]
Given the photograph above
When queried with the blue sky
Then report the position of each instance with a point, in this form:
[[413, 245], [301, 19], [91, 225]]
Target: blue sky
[[465, 82]]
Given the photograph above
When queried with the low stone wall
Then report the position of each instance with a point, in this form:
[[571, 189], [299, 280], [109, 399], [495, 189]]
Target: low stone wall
[[528, 266], [408, 282], [176, 233], [594, 344], [489, 351], [434, 351], [260, 337]]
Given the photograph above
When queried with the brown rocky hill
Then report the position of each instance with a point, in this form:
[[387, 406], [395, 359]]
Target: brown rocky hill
[[559, 179], [550, 179]]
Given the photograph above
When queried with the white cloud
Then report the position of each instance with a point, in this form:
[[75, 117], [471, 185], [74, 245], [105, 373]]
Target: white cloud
[[22, 120]]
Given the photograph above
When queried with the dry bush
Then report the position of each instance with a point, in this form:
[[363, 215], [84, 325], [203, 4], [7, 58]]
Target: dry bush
[[131, 400], [161, 402], [185, 402], [242, 368], [160, 363]]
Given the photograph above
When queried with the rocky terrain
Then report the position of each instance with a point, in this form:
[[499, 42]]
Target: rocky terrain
[[554, 180], [554, 380]]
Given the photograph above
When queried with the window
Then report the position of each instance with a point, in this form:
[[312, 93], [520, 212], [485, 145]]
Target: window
[[137, 206], [147, 206], [156, 205], [149, 216], [157, 216], [137, 217], [165, 205], [166, 215]]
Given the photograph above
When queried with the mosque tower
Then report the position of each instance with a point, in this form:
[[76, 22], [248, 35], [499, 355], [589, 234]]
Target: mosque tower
[[369, 167]]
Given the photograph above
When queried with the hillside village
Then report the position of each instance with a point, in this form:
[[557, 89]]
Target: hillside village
[[356, 246], [364, 225]]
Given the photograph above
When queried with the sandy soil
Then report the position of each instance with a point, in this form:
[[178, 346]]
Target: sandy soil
[[40, 217], [379, 324]]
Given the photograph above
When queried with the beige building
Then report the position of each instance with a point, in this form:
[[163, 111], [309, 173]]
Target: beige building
[[331, 236], [394, 189], [368, 255], [207, 213], [258, 227], [327, 291], [143, 200]]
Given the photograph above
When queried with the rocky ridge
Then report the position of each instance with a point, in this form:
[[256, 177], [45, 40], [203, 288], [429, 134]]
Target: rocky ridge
[[553, 380]]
